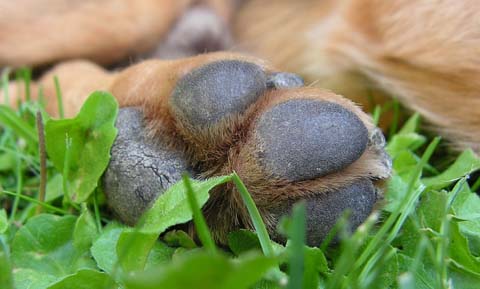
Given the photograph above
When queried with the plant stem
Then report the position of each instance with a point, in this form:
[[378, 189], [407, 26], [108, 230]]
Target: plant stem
[[59, 97], [198, 218], [255, 215], [43, 161]]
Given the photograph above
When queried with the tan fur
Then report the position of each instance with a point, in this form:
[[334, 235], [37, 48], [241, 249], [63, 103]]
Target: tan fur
[[426, 53], [219, 150], [35, 32]]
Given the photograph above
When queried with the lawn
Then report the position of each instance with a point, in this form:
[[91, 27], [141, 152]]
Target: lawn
[[56, 231]]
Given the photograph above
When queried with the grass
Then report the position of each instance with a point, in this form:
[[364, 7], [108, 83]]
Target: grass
[[425, 234]]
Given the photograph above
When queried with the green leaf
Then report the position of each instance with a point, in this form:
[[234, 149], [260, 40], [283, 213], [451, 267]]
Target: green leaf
[[411, 125], [32, 279], [179, 238], [159, 255], [54, 188], [422, 279], [133, 248], [467, 205], [103, 249], [3, 221], [6, 278], [243, 241], [92, 133], [396, 193], [462, 259], [45, 245], [467, 211], [85, 230], [11, 120], [408, 141], [204, 270], [84, 279], [465, 164], [172, 208], [107, 258], [8, 161], [314, 264]]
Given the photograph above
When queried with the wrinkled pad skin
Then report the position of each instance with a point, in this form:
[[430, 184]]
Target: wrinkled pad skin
[[296, 140], [304, 139], [140, 169], [214, 91], [279, 80], [324, 210]]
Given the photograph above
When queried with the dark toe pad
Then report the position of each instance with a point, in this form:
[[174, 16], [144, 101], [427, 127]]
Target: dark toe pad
[[304, 139], [140, 169], [217, 90], [323, 211]]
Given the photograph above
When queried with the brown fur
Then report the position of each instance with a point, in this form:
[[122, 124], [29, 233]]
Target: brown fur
[[426, 53], [219, 150]]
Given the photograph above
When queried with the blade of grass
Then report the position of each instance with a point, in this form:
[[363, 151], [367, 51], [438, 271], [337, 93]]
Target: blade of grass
[[275, 274], [349, 249], [27, 158], [10, 119], [5, 76], [35, 201], [25, 75], [6, 276], [66, 167], [43, 161], [444, 236], [394, 222], [257, 220], [98, 219], [297, 252], [476, 185], [377, 112], [341, 223], [396, 116], [18, 172], [58, 92], [198, 219]]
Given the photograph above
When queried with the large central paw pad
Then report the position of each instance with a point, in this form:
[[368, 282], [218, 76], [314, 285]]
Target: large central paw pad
[[286, 142]]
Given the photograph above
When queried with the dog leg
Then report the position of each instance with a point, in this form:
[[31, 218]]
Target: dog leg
[[37, 32], [217, 113], [425, 53]]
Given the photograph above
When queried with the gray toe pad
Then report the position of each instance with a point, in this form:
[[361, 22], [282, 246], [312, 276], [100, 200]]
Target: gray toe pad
[[139, 168], [323, 211], [214, 91], [304, 139]]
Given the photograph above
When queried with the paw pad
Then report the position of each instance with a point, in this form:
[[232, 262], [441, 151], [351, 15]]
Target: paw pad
[[285, 147], [215, 91]]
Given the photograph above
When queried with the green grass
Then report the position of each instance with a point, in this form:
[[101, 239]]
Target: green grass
[[425, 234]]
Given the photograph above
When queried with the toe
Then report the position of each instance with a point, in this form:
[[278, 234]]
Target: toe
[[216, 91], [304, 139], [281, 80], [324, 210], [140, 169]]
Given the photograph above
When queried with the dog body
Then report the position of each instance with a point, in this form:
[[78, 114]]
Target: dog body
[[225, 112], [426, 53]]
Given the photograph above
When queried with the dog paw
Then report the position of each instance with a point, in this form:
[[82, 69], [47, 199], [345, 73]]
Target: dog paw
[[286, 142]]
